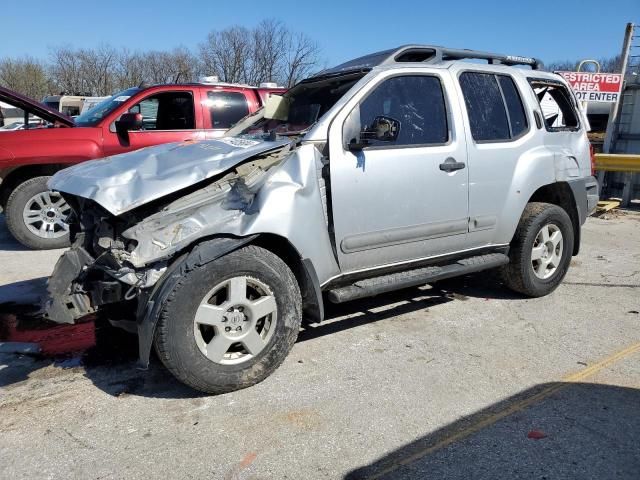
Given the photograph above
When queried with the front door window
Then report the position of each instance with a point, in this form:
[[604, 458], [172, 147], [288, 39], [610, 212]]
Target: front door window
[[167, 111]]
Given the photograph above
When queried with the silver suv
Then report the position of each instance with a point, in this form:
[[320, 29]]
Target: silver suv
[[396, 169]]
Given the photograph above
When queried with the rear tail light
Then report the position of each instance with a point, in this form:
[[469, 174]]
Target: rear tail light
[[593, 160]]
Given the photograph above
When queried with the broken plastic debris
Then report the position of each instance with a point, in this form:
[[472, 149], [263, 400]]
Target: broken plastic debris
[[536, 434]]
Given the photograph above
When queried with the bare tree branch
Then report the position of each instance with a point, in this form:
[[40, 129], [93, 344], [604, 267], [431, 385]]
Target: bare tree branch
[[270, 52], [302, 58]]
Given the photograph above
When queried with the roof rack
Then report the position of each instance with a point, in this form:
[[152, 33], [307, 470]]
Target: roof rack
[[426, 54]]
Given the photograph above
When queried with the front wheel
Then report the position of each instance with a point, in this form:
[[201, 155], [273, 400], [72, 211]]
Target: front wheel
[[230, 323], [540, 251], [36, 216]]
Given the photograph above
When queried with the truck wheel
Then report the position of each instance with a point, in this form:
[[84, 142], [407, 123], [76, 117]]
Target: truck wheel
[[36, 216], [230, 323], [540, 251]]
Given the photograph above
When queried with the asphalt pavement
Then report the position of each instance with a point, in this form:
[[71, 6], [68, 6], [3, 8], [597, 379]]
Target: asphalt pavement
[[462, 379]]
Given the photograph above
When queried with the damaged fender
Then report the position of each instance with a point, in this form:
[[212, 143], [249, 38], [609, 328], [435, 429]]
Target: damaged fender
[[151, 304], [287, 202]]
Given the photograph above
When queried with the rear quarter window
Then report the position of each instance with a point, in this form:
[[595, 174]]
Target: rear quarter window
[[556, 104]]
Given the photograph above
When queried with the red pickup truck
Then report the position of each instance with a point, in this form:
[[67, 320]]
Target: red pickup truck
[[129, 120]]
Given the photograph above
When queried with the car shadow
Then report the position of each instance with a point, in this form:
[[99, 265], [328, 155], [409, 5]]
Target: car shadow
[[112, 363], [365, 311], [7, 242], [17, 297], [553, 430]]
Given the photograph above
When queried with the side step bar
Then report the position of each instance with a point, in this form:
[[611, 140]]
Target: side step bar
[[411, 278]]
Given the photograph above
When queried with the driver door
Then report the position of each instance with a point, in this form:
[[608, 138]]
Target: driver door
[[397, 199]]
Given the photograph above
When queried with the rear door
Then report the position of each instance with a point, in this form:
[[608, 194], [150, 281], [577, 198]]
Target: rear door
[[399, 201], [505, 150], [167, 116]]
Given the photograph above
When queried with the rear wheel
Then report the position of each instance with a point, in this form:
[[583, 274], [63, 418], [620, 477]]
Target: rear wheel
[[230, 323], [36, 216], [540, 251]]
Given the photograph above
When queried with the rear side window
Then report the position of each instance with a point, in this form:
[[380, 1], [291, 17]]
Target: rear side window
[[417, 102], [557, 108], [494, 106], [227, 108]]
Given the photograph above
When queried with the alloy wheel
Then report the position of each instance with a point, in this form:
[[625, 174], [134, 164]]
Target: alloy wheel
[[546, 253], [235, 320], [44, 215]]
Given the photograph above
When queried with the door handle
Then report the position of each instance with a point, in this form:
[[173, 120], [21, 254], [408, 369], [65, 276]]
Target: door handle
[[450, 165]]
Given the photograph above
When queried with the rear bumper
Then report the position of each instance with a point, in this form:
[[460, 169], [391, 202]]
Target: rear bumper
[[593, 194], [586, 195]]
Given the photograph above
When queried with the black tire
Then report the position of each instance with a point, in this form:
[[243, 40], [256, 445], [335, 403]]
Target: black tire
[[16, 204], [519, 274], [174, 339]]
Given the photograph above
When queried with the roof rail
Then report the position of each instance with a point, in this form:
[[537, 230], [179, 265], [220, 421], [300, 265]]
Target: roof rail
[[426, 54], [492, 58]]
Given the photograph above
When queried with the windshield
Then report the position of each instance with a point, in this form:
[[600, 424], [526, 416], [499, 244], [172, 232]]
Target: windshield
[[306, 103], [104, 108], [53, 104]]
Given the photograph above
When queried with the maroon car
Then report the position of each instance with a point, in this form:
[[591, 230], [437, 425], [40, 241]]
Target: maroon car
[[129, 120]]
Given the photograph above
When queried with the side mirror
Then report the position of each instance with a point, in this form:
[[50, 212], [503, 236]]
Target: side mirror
[[127, 123], [384, 129]]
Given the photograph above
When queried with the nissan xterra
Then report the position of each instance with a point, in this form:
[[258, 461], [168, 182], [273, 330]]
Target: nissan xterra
[[393, 170]]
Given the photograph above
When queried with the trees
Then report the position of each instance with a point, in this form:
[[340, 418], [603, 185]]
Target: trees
[[25, 75], [302, 58], [269, 52], [65, 70]]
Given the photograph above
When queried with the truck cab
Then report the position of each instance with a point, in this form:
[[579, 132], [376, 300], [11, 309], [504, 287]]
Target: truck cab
[[166, 113]]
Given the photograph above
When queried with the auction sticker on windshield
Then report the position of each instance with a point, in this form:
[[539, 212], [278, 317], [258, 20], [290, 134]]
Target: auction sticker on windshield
[[594, 87]]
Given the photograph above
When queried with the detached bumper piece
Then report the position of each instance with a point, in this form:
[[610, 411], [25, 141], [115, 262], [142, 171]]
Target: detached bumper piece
[[71, 295], [63, 304]]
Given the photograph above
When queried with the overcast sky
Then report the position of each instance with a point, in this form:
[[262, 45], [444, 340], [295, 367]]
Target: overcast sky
[[550, 30]]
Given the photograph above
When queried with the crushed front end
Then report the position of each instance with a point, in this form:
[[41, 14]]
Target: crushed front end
[[119, 254], [96, 271]]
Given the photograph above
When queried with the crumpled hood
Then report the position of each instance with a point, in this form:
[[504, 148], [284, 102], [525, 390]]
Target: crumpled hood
[[123, 182]]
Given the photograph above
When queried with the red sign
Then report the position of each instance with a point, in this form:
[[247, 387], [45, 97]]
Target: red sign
[[594, 87]]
